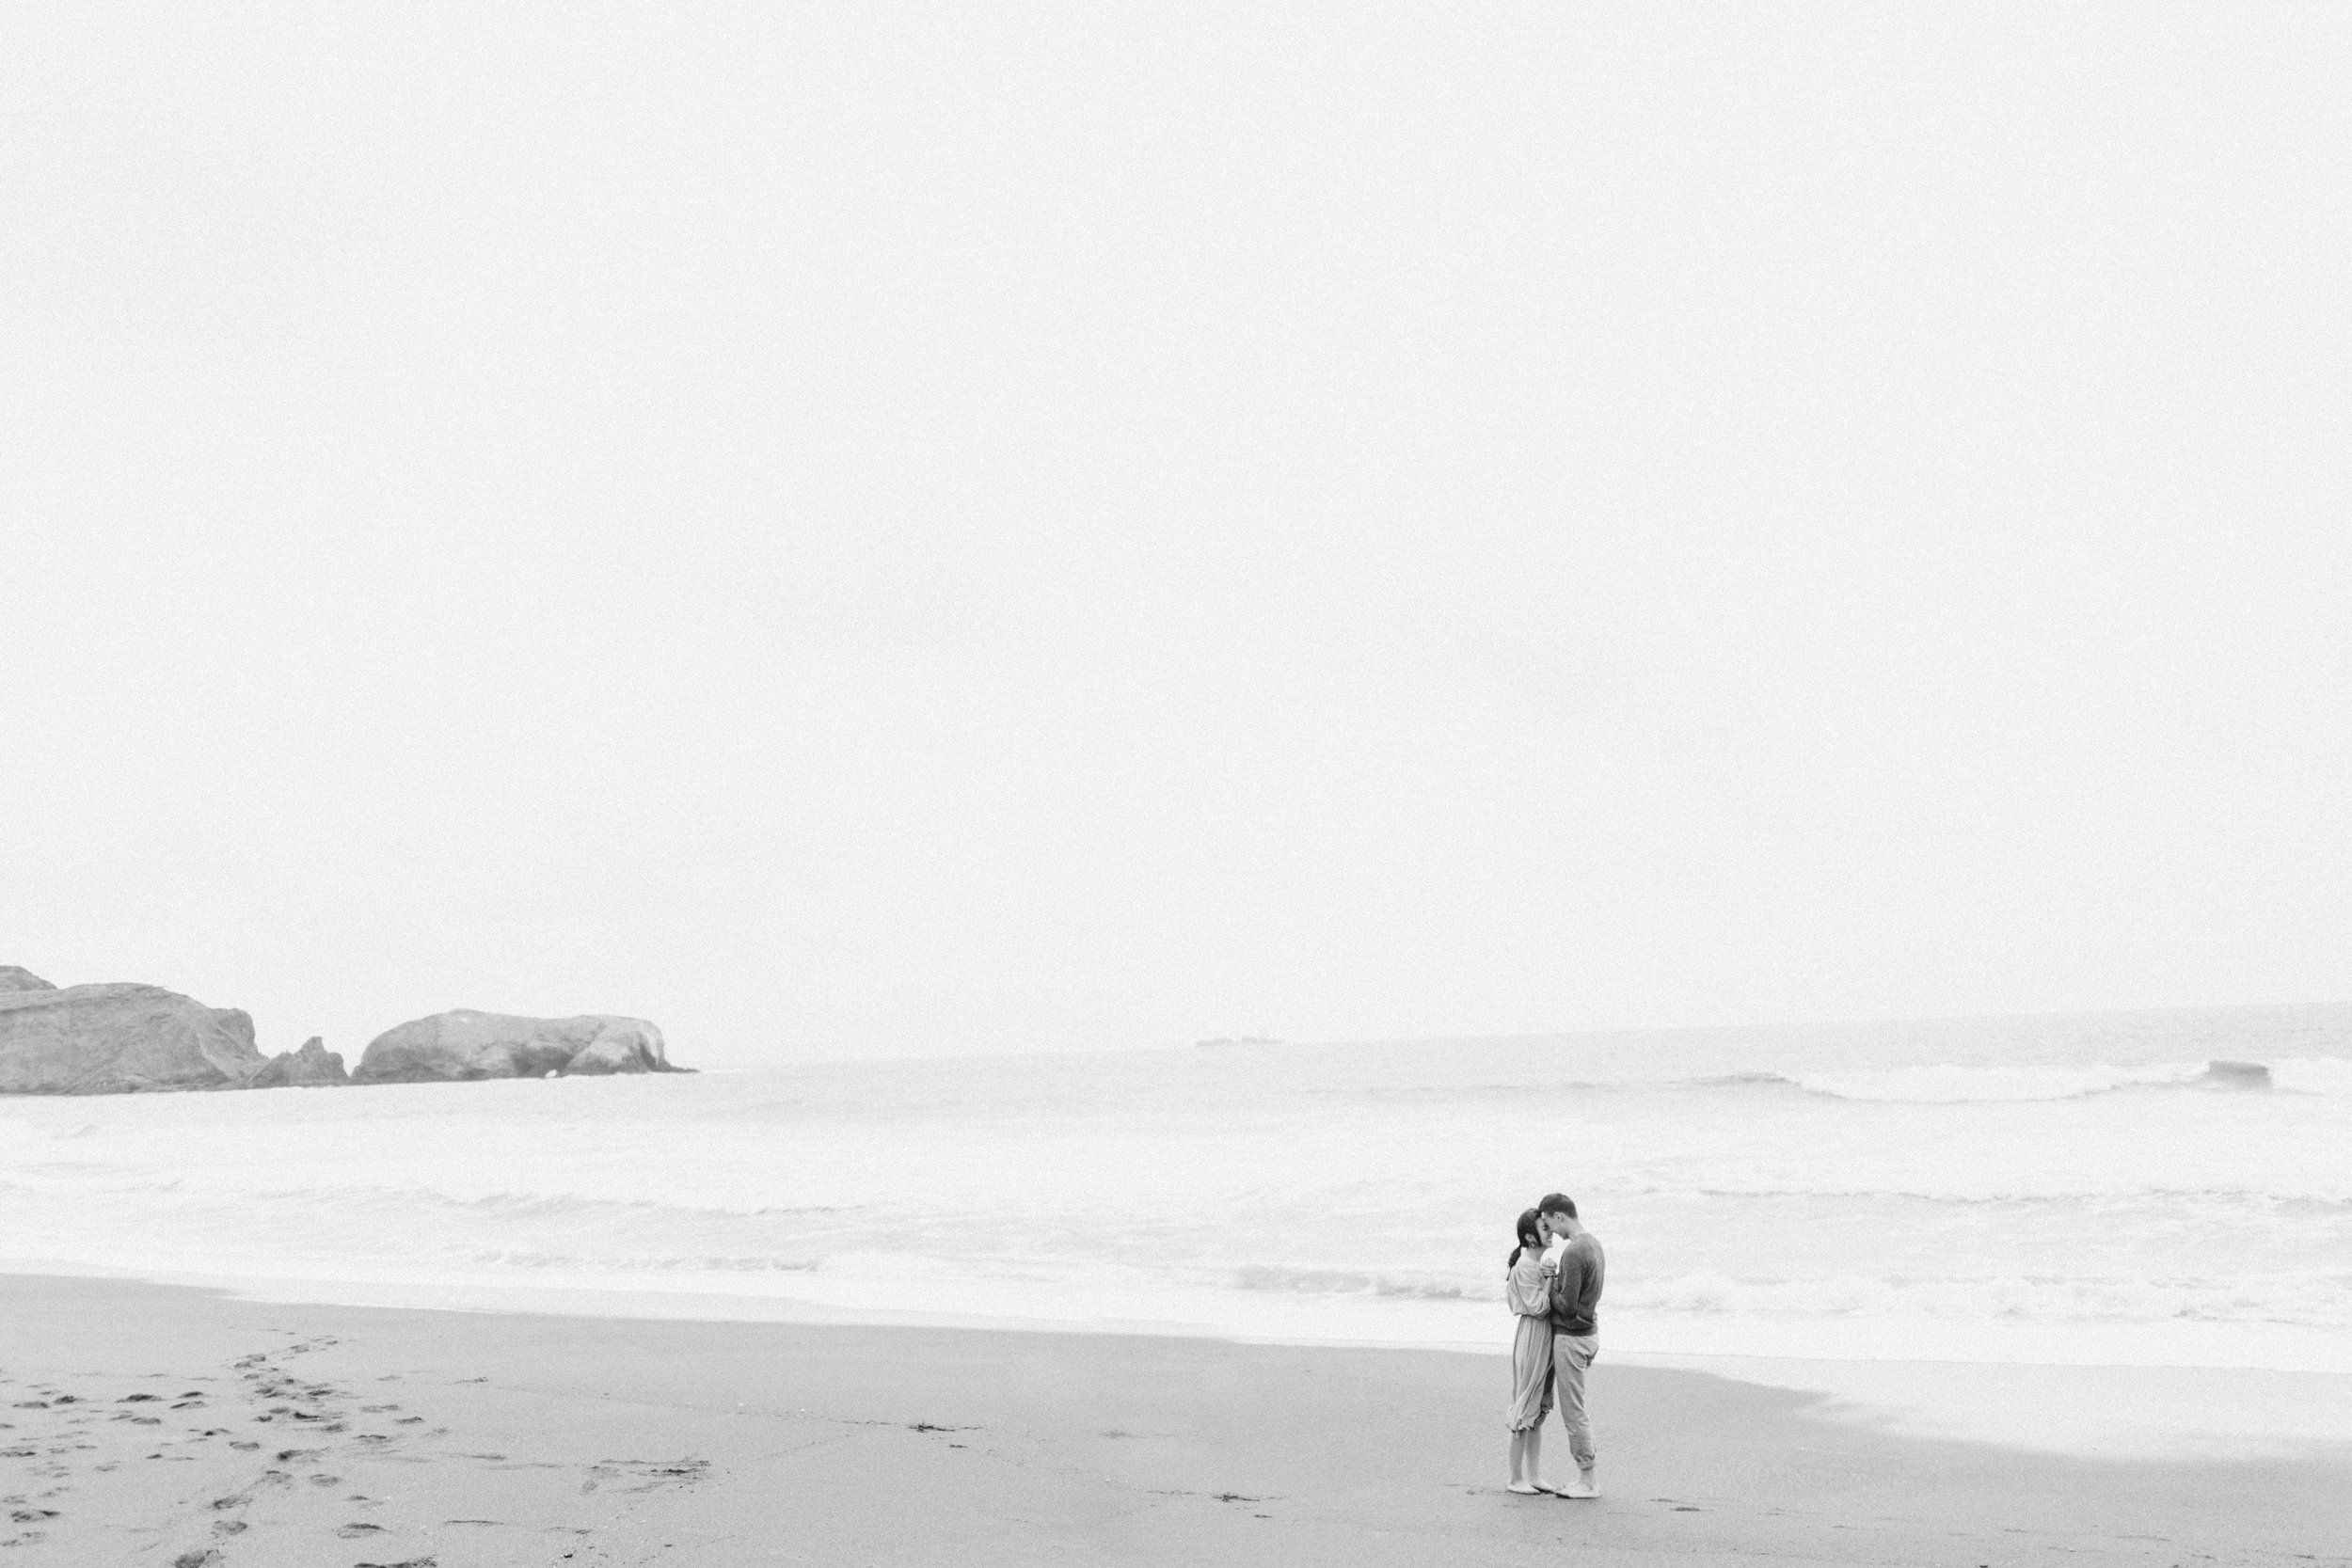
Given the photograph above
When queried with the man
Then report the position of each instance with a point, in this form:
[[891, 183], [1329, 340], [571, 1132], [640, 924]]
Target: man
[[1579, 1266]]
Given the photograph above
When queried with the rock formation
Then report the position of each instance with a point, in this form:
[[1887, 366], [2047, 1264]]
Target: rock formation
[[467, 1044], [117, 1040], [311, 1065], [128, 1038]]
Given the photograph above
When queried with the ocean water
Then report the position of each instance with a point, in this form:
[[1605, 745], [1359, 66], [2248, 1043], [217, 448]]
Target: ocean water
[[2072, 1190]]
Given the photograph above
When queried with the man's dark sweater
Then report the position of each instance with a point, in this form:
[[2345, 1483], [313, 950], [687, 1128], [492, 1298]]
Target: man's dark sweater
[[1576, 1293]]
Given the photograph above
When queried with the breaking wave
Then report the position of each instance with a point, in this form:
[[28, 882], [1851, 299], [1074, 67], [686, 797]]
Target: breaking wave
[[1943, 1083], [2313, 1298], [1949, 1083]]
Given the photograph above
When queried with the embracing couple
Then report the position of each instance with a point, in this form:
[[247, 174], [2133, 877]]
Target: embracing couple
[[1553, 1283]]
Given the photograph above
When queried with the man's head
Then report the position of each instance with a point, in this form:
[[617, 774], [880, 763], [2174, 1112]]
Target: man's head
[[1558, 1212]]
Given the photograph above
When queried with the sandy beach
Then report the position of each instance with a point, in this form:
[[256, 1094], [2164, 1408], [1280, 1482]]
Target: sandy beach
[[164, 1425]]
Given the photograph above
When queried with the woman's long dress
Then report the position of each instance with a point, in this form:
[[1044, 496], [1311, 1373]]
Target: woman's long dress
[[1528, 1290]]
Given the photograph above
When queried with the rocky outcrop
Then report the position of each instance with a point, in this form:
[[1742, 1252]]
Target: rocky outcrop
[[117, 1039], [130, 1038], [309, 1067], [467, 1045]]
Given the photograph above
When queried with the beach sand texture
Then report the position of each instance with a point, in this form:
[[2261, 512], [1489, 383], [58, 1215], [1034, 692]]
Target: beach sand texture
[[162, 1425]]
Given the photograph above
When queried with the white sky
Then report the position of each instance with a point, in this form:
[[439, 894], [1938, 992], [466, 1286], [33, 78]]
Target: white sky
[[880, 527]]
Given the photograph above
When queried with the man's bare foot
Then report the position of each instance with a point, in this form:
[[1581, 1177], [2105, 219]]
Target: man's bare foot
[[1585, 1487]]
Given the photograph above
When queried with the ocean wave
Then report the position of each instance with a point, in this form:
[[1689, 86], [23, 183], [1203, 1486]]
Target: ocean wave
[[512, 1257], [1352, 1282], [1943, 1084], [2310, 1298], [2307, 1298], [2238, 1203]]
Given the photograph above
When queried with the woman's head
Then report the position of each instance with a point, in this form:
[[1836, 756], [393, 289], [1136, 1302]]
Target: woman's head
[[1532, 1230]]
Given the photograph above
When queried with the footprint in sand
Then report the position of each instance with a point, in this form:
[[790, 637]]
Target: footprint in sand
[[648, 1474]]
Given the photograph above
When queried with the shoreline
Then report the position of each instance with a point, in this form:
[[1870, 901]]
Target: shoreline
[[2121, 1408], [390, 1434]]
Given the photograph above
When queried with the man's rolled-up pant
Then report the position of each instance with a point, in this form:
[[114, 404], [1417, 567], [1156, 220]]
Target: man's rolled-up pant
[[1572, 1353]]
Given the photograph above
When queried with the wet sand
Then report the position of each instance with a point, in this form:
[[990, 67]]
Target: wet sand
[[161, 1425]]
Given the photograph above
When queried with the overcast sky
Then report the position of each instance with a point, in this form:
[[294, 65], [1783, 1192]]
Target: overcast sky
[[886, 528]]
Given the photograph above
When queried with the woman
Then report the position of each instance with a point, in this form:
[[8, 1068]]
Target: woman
[[1527, 1286]]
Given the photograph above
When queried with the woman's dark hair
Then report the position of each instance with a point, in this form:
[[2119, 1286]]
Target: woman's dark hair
[[1530, 1235]]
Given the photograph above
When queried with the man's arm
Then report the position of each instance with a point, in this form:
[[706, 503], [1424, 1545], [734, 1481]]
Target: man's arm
[[1567, 1286]]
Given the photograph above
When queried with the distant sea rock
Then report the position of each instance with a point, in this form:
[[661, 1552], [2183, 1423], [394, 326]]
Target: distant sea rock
[[117, 1040], [310, 1065], [467, 1045]]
